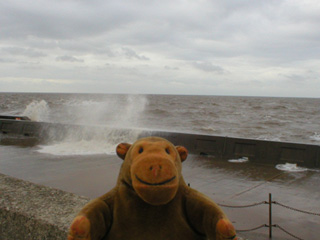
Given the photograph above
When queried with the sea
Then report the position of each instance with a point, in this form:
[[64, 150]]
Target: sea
[[265, 118]]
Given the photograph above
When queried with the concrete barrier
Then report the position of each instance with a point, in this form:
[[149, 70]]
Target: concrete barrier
[[222, 147], [259, 151], [30, 211]]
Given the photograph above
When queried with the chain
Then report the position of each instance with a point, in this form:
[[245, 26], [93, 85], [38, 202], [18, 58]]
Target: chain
[[287, 232], [244, 206], [252, 229], [294, 209]]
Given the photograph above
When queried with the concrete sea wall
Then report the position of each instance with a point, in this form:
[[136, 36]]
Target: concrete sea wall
[[259, 151], [30, 211], [222, 147]]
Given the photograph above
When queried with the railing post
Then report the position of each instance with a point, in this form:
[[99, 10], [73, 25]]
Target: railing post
[[270, 216]]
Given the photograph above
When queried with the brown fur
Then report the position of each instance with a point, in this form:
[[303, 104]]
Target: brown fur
[[151, 201]]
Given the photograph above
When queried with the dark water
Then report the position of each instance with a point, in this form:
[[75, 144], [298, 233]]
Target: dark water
[[277, 119], [280, 119]]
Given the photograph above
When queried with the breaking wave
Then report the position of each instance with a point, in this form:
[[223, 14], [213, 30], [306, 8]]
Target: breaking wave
[[37, 111], [86, 141], [115, 120]]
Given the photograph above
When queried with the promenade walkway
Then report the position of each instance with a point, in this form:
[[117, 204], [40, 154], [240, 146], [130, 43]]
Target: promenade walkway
[[224, 182]]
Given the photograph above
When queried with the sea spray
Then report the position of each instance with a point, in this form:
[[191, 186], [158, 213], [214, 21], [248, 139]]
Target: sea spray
[[95, 127], [315, 136], [122, 111], [133, 111], [86, 140], [239, 160], [290, 167], [38, 111]]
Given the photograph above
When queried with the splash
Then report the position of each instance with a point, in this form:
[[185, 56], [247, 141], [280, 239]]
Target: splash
[[315, 136], [85, 140], [81, 147], [290, 167], [125, 111], [133, 110], [239, 160], [95, 127], [37, 111]]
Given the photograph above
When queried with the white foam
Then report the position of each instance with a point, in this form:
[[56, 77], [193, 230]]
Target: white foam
[[81, 147], [88, 141], [268, 137], [37, 111], [290, 167], [240, 160], [315, 136]]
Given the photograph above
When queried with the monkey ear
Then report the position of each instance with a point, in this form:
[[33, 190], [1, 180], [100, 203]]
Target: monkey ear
[[122, 150], [183, 152]]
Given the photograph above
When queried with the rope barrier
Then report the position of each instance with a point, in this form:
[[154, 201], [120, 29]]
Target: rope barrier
[[290, 234], [251, 229], [270, 202], [244, 206], [295, 209]]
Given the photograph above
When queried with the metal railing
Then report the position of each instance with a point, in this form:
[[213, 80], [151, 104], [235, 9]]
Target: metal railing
[[270, 225]]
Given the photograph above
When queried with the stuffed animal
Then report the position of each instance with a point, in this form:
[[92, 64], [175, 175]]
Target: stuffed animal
[[151, 201]]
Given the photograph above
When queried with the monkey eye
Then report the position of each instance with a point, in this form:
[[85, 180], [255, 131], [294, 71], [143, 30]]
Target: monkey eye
[[167, 150], [140, 149]]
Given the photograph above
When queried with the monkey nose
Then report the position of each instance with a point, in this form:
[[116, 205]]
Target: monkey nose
[[155, 169]]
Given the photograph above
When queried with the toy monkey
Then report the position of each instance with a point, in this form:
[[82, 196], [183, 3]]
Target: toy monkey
[[151, 201]]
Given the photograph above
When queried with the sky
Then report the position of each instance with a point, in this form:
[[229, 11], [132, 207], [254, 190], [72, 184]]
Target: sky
[[198, 47]]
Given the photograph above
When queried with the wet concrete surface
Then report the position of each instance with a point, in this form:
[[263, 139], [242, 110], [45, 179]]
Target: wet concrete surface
[[234, 184], [32, 211]]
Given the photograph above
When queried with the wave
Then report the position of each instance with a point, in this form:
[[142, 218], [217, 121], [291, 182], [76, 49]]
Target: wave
[[37, 111], [111, 117], [82, 140], [159, 112]]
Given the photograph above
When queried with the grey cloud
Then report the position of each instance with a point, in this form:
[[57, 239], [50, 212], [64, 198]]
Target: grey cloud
[[129, 53], [301, 77], [208, 67], [7, 60], [97, 47], [67, 58], [171, 68], [61, 19], [296, 78], [264, 37], [28, 52], [249, 26]]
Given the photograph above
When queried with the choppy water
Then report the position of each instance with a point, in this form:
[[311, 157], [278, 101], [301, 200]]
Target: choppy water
[[279, 119]]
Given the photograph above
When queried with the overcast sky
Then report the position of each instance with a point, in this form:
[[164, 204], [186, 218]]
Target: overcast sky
[[217, 47]]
